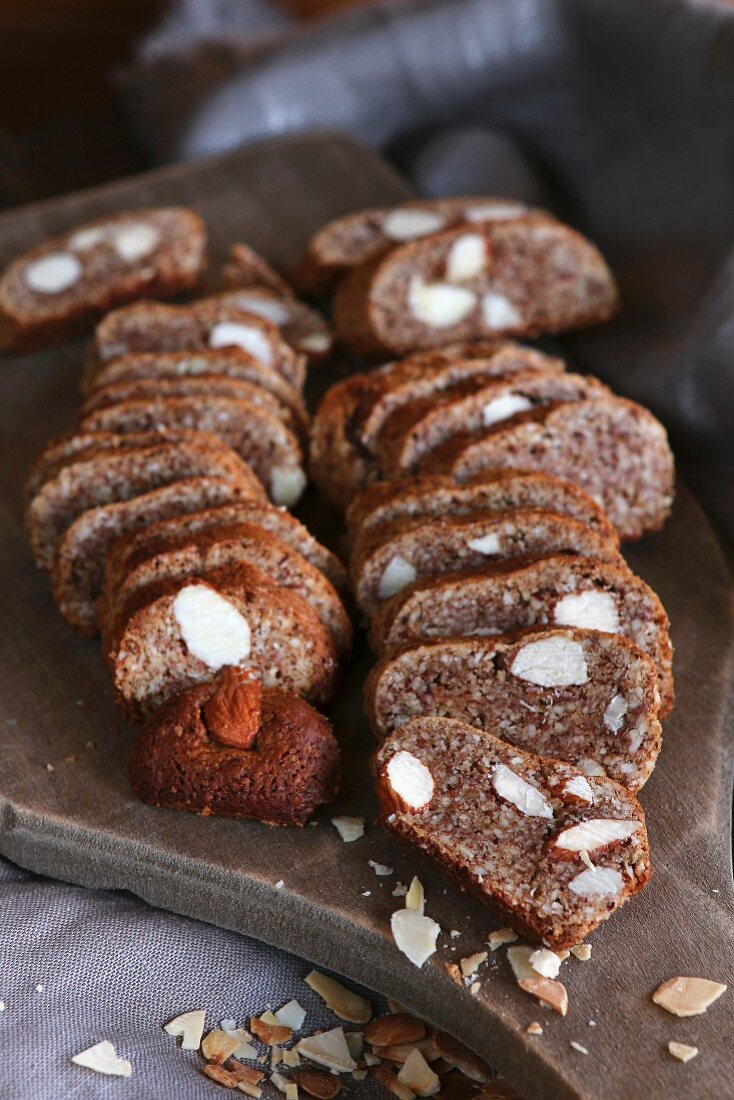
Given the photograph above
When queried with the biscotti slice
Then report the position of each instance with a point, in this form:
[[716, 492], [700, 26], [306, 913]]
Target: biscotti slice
[[204, 551], [276, 520], [154, 326], [436, 496], [519, 277], [78, 567], [261, 439], [232, 748], [352, 414], [63, 286], [612, 448], [576, 695], [121, 475], [411, 434], [229, 362], [182, 631], [550, 850], [302, 327], [202, 385], [383, 562], [355, 238], [556, 590], [247, 268]]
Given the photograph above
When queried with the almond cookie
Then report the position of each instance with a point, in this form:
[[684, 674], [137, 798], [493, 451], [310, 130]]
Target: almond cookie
[[154, 326], [231, 748], [550, 850], [78, 567], [520, 277], [384, 561], [576, 695], [436, 496], [615, 450], [88, 480], [555, 591], [356, 238], [204, 551], [60, 288], [181, 631], [260, 438]]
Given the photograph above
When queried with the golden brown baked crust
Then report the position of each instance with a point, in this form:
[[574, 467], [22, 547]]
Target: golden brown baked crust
[[187, 757]]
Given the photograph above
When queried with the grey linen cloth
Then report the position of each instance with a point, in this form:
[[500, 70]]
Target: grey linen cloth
[[617, 114]]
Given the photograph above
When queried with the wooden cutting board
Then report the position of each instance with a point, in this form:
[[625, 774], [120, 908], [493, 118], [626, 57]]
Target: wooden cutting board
[[67, 811]]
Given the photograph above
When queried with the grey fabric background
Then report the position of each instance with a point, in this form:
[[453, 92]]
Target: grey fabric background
[[619, 115]]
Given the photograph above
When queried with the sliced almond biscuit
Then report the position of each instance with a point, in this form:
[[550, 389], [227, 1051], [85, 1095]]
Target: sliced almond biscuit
[[355, 238], [615, 450], [501, 822], [156, 327], [122, 474], [202, 385], [181, 631], [571, 694], [200, 553], [258, 512], [518, 277], [61, 287], [347, 425], [78, 568], [230, 362], [411, 434], [433, 496], [387, 559], [553, 591], [260, 438]]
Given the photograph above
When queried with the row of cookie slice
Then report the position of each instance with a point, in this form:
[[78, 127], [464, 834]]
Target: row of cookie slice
[[471, 409], [423, 274], [59, 288]]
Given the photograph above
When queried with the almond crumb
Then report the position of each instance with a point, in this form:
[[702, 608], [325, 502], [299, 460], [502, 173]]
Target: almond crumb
[[582, 951], [471, 963], [270, 1034], [500, 937], [547, 991], [349, 828], [687, 996], [221, 1075], [579, 1047], [343, 1002], [682, 1051], [534, 1028]]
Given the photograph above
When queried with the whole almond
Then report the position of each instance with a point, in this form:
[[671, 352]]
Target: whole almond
[[324, 1086], [395, 1030], [232, 713]]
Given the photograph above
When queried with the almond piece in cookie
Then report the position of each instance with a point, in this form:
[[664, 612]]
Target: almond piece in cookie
[[493, 818], [219, 749]]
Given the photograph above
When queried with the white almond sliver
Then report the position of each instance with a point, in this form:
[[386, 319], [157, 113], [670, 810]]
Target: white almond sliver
[[214, 631], [590, 610], [349, 828], [415, 897], [545, 962], [500, 937], [135, 240], [414, 934], [587, 836], [615, 713], [418, 1075], [409, 224], [328, 1049], [467, 257], [270, 309], [498, 311], [286, 485], [486, 544], [344, 1002], [314, 342], [410, 779], [687, 996], [291, 1015], [579, 787], [495, 211], [513, 788], [53, 273], [397, 573], [503, 407], [439, 305], [600, 883], [102, 1058], [551, 662], [190, 1026], [682, 1051], [227, 334], [519, 959], [84, 239]]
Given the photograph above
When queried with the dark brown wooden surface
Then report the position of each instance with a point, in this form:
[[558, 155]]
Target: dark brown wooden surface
[[79, 822]]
